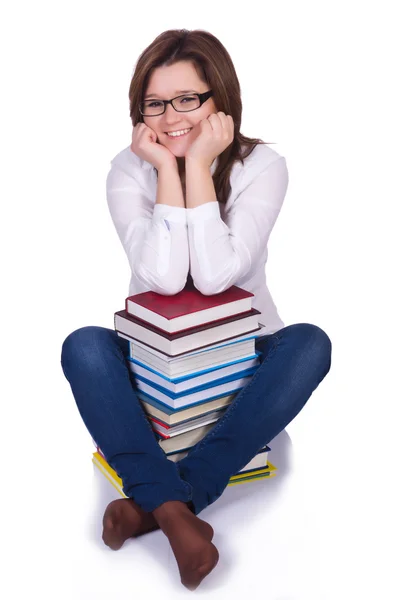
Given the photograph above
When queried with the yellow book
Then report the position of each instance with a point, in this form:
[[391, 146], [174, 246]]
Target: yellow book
[[117, 483], [263, 474]]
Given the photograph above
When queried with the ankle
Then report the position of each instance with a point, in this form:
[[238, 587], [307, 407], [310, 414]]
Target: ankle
[[170, 510]]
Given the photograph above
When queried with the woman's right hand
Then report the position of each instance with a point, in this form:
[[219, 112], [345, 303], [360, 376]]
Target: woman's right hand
[[144, 144]]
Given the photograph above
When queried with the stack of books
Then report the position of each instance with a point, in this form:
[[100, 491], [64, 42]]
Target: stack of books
[[190, 355]]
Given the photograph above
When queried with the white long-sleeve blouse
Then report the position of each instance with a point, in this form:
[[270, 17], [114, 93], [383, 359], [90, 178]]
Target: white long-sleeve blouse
[[219, 244]]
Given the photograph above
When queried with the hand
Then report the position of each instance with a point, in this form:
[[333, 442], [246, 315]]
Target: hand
[[216, 134], [144, 144]]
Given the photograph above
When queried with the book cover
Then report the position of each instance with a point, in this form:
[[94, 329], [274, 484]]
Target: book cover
[[188, 340], [191, 330], [188, 307], [237, 343]]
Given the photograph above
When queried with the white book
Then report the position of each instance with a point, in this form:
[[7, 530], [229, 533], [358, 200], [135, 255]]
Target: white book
[[194, 364]]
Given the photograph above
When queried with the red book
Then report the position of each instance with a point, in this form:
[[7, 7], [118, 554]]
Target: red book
[[189, 308]]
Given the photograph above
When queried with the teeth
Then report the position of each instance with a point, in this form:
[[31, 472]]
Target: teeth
[[178, 133]]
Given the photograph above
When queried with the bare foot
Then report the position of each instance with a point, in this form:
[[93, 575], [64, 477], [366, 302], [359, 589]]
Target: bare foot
[[124, 519], [190, 539]]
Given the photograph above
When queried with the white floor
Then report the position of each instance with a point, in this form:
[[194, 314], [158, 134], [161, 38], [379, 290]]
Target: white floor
[[263, 531], [241, 519], [322, 529]]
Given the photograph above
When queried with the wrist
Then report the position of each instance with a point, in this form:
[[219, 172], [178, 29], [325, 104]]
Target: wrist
[[167, 165], [198, 163]]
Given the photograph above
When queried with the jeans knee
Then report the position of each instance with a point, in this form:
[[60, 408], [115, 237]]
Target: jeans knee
[[316, 342], [80, 344], [321, 346]]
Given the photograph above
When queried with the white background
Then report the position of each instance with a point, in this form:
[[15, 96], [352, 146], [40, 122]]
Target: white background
[[317, 78]]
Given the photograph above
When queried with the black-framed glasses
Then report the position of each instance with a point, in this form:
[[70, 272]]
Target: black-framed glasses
[[185, 103]]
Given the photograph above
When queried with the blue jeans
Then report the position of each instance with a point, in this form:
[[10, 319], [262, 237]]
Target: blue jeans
[[294, 361]]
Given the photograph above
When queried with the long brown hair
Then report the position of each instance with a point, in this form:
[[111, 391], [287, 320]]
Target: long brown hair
[[215, 67]]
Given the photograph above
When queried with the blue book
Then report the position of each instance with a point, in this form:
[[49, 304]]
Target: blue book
[[199, 388], [186, 382], [230, 385]]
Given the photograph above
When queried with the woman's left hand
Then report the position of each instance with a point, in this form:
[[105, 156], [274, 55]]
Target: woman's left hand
[[216, 134]]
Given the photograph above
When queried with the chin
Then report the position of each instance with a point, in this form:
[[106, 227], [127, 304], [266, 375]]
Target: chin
[[180, 153]]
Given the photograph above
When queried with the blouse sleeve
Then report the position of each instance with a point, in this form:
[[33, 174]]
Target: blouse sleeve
[[222, 253], [154, 238]]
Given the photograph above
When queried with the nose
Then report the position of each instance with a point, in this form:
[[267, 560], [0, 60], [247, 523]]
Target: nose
[[171, 115]]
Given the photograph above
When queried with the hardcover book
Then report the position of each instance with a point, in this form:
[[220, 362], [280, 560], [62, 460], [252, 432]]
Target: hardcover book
[[167, 431], [191, 364], [187, 382], [244, 343], [187, 340], [228, 385], [172, 416], [188, 308]]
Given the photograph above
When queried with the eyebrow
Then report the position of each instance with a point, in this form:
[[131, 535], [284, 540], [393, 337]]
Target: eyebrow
[[176, 92]]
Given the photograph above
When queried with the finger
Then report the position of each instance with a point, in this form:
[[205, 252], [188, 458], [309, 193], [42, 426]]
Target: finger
[[224, 120], [227, 126], [217, 116], [205, 125], [230, 122], [216, 121]]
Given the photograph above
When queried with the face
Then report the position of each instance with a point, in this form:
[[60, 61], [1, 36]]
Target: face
[[164, 84]]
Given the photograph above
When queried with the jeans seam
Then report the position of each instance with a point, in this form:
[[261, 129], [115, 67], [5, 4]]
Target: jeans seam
[[188, 486]]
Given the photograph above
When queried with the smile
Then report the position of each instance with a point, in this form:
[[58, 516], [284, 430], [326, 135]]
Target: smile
[[181, 133]]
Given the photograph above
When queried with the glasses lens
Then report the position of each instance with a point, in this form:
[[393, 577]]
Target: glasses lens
[[152, 107], [186, 103], [182, 104]]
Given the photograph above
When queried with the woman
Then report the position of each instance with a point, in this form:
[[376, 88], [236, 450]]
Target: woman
[[191, 193]]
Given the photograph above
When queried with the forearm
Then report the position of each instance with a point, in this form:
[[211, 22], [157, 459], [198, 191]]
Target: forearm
[[169, 187], [165, 251], [199, 184]]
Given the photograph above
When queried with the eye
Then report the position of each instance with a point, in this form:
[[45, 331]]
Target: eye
[[153, 103]]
